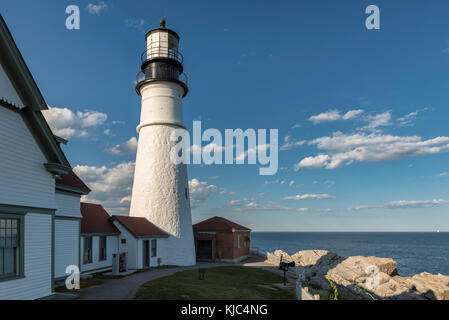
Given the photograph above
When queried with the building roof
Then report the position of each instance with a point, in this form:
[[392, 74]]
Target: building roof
[[20, 76], [96, 220], [140, 227], [218, 224], [15, 65], [71, 182]]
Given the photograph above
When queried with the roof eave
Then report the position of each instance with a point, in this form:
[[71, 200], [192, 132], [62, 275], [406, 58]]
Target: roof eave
[[62, 187], [17, 69]]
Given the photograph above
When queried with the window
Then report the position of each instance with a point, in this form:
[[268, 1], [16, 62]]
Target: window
[[87, 250], [238, 241], [153, 248], [103, 245], [123, 241], [10, 247]]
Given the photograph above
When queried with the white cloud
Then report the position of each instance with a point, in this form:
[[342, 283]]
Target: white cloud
[[111, 185], [67, 124], [378, 120], [251, 205], [334, 115], [345, 149], [281, 182], [296, 126], [443, 174], [127, 147], [200, 191], [403, 204], [135, 23], [329, 116], [309, 196], [408, 118], [329, 183], [352, 114], [290, 143], [96, 9], [317, 162]]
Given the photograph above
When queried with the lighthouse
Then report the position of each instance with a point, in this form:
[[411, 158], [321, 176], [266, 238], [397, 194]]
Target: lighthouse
[[161, 189]]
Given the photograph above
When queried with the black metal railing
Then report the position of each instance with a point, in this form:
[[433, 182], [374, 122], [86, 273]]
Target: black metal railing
[[143, 76], [162, 52]]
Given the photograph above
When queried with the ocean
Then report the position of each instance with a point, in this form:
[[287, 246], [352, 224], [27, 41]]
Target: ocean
[[414, 252]]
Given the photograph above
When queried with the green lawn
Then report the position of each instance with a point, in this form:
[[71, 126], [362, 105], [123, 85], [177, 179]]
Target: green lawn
[[222, 283]]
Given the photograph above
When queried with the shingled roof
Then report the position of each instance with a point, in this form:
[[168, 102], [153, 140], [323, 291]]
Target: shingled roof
[[140, 227], [96, 220], [71, 182], [218, 224]]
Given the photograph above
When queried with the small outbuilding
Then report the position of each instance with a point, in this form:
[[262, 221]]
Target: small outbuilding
[[219, 239], [135, 242]]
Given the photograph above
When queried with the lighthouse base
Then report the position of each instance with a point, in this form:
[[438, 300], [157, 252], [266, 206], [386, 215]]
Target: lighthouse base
[[161, 194]]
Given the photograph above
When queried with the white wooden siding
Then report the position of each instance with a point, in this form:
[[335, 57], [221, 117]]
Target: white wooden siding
[[23, 178], [159, 252], [68, 205], [66, 245], [131, 247], [111, 248], [38, 246], [7, 91]]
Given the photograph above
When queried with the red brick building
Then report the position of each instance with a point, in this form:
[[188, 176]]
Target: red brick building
[[218, 239]]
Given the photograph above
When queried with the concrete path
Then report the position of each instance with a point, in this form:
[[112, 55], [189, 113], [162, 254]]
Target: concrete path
[[126, 288]]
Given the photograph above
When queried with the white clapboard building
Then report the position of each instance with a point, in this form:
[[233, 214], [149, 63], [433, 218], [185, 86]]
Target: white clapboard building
[[135, 242], [39, 203]]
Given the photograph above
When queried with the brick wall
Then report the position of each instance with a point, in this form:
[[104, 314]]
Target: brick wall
[[227, 244]]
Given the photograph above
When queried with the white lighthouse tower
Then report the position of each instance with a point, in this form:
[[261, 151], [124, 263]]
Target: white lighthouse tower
[[161, 189]]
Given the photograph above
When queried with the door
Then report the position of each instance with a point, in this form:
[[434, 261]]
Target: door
[[146, 253], [204, 250]]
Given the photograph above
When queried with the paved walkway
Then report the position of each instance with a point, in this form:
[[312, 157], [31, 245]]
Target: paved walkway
[[126, 288]]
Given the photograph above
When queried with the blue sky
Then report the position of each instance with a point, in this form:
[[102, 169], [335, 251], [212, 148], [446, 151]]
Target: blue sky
[[364, 113]]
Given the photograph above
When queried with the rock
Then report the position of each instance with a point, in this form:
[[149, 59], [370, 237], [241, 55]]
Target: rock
[[431, 286], [357, 269], [363, 277], [313, 257], [275, 257]]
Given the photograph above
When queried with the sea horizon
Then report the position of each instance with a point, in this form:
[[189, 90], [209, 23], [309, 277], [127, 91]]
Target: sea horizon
[[414, 252]]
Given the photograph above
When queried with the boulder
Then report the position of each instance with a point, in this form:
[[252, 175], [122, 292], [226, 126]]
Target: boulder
[[275, 257], [431, 286], [357, 269], [315, 257], [363, 277]]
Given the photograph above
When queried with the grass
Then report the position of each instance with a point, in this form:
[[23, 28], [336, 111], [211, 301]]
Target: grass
[[84, 284], [221, 283]]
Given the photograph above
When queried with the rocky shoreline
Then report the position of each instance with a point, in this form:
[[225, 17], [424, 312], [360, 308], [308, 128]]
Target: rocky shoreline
[[360, 277]]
